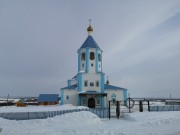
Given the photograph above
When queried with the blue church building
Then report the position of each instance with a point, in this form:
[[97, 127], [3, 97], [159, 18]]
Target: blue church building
[[88, 87]]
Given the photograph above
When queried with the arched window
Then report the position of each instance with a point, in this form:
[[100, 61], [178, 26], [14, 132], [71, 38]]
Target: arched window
[[92, 56], [83, 56], [99, 57]]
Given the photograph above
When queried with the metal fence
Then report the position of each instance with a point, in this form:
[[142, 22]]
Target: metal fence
[[102, 113], [165, 108], [37, 115]]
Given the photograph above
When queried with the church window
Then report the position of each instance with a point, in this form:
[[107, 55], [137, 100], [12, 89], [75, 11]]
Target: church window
[[99, 57], [113, 98], [91, 64], [84, 101], [92, 56], [97, 83], [98, 100], [85, 83], [91, 84], [83, 56]]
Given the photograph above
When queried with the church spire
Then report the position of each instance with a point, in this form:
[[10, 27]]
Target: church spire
[[90, 28]]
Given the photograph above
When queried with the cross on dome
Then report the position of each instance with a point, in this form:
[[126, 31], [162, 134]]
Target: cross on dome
[[90, 28]]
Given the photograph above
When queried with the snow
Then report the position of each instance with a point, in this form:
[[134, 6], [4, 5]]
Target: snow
[[39, 108], [87, 123]]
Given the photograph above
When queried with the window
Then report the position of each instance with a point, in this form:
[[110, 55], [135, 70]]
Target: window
[[92, 56], [113, 98], [97, 83], [98, 100], [99, 57], [67, 97], [99, 65], [84, 101], [83, 56], [83, 65], [85, 83], [91, 84], [91, 64]]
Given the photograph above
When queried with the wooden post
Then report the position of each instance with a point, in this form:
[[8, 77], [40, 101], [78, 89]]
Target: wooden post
[[117, 109], [109, 109], [141, 106], [148, 106]]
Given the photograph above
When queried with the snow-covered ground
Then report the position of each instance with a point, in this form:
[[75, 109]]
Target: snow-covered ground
[[32, 108], [86, 123]]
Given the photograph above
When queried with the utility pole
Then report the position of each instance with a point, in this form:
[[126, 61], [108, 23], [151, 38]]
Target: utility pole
[[129, 103], [7, 100]]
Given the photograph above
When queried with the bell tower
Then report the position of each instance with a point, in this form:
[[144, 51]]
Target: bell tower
[[90, 54]]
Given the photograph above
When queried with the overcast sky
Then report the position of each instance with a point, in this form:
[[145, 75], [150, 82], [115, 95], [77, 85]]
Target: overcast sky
[[140, 40]]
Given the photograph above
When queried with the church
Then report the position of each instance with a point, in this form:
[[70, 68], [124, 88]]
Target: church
[[88, 87]]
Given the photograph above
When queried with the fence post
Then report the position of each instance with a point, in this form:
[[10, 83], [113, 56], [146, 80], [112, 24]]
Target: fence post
[[109, 109], [141, 106], [148, 106]]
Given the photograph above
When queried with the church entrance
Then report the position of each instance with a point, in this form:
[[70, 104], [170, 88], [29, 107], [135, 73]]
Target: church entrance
[[91, 103]]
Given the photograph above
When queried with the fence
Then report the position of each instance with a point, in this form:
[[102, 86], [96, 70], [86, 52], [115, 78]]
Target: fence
[[102, 113], [37, 115], [165, 108]]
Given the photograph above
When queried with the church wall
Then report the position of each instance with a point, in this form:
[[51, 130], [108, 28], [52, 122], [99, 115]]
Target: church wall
[[91, 78], [99, 63], [119, 94], [70, 97]]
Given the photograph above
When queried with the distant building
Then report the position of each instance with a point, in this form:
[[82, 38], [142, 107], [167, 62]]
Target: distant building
[[48, 99], [21, 103], [172, 102], [88, 87]]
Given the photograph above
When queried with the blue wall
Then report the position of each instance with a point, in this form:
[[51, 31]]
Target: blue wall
[[69, 83], [102, 82], [80, 81], [87, 60], [96, 60], [79, 58], [62, 96], [102, 89]]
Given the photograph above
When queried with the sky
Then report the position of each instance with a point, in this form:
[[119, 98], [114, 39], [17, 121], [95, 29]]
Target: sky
[[140, 40]]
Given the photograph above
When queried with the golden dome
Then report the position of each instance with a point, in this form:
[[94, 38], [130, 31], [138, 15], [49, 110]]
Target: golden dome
[[90, 29]]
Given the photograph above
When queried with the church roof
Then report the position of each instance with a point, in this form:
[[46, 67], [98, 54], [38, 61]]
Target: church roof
[[107, 86], [90, 43], [75, 86]]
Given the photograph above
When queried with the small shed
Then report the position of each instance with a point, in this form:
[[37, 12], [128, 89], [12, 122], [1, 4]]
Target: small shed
[[21, 103], [48, 99]]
